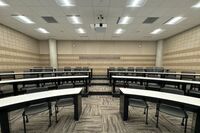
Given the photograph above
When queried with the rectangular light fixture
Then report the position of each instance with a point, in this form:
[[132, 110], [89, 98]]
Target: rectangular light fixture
[[124, 20], [157, 31], [74, 19], [175, 20], [197, 5], [80, 31], [119, 31], [23, 19], [136, 3], [2, 3], [65, 2], [42, 30]]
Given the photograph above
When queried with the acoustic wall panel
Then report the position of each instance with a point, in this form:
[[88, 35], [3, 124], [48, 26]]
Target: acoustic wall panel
[[182, 52], [100, 55], [17, 50]]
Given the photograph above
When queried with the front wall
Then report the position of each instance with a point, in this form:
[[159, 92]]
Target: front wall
[[99, 55]]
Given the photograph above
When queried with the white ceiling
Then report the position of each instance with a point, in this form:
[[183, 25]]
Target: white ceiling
[[111, 10]]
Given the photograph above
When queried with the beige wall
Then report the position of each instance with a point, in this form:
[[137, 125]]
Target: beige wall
[[99, 55], [17, 50], [44, 53], [182, 52]]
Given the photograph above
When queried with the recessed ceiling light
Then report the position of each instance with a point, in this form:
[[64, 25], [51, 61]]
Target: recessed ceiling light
[[157, 31], [74, 19], [125, 20], [42, 30], [175, 20], [2, 3], [197, 5], [80, 31], [136, 3], [23, 19], [119, 31], [65, 2]]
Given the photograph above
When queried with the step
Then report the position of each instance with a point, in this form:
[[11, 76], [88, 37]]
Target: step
[[99, 83], [100, 93], [99, 77]]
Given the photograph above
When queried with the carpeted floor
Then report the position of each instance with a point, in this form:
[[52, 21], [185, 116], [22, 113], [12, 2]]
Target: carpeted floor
[[100, 114]]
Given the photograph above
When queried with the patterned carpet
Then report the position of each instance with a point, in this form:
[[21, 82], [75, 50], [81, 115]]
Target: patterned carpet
[[100, 114]]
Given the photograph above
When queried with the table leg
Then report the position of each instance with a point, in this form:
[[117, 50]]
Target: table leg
[[4, 121], [86, 86], [113, 89], [15, 89], [110, 78], [124, 107], [77, 106], [184, 88], [196, 122]]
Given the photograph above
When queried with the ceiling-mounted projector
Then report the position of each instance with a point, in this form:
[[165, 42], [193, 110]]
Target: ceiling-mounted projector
[[99, 27]]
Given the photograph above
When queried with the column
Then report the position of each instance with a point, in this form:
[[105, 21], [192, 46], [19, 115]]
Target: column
[[53, 53], [159, 53]]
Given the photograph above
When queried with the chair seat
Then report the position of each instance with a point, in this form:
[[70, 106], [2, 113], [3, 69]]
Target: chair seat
[[137, 103], [153, 86], [172, 110], [65, 86], [36, 108], [64, 102], [79, 83]]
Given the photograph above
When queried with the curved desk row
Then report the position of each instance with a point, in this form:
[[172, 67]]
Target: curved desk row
[[145, 74], [190, 103], [16, 102], [54, 73], [184, 83], [57, 79]]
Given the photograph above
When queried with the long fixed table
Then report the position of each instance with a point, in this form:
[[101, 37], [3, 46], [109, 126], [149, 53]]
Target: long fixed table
[[145, 74], [184, 83], [16, 102], [190, 103], [57, 79], [53, 73]]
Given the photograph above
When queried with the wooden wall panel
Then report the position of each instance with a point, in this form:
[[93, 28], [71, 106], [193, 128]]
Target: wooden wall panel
[[100, 55], [17, 50], [182, 52]]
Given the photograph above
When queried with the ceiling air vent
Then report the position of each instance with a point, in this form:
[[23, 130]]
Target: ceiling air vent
[[49, 19], [150, 20]]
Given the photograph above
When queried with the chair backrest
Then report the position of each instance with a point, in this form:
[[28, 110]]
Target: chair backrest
[[48, 69], [171, 76], [85, 68], [135, 86], [66, 86], [172, 90], [77, 68], [67, 68], [30, 75], [187, 77], [149, 69], [139, 69], [36, 89], [121, 69], [194, 93], [112, 68], [7, 76], [131, 69], [36, 69], [158, 69], [60, 69]]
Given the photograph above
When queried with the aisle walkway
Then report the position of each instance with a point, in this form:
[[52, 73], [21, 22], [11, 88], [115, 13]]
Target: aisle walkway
[[100, 114]]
